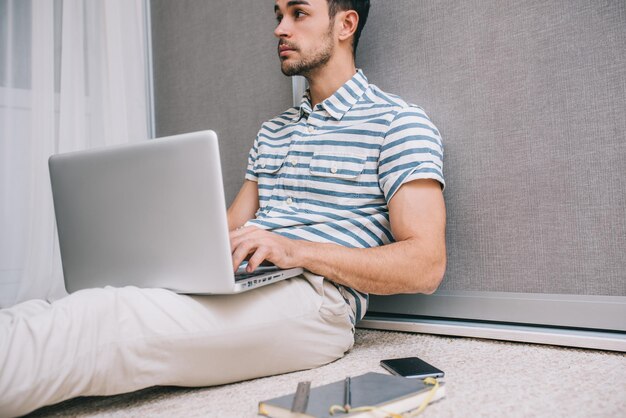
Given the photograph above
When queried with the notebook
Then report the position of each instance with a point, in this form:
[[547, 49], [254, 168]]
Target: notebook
[[148, 214], [391, 393]]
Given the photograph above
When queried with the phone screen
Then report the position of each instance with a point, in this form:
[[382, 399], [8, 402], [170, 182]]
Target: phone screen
[[411, 367]]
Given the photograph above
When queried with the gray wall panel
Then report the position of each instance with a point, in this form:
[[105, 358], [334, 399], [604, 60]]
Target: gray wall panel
[[215, 67], [530, 98]]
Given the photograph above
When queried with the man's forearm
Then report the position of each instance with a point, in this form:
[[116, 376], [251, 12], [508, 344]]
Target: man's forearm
[[408, 266], [244, 206]]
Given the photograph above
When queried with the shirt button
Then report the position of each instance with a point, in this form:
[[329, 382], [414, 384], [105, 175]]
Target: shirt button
[[311, 129], [289, 201], [293, 161], [333, 170]]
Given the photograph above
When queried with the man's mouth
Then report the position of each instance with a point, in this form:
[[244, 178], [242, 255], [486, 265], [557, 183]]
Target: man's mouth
[[284, 50]]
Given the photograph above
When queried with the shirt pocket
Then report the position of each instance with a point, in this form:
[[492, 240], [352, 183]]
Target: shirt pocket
[[337, 165]]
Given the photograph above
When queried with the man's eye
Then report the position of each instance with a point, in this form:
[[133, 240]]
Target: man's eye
[[279, 18], [299, 13]]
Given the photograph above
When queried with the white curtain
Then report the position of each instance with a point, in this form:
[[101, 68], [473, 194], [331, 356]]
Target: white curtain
[[73, 75]]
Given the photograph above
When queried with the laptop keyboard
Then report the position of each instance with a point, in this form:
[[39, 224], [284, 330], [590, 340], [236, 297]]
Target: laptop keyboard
[[244, 276]]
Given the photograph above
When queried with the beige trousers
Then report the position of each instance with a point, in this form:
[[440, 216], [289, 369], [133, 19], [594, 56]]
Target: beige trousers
[[116, 340]]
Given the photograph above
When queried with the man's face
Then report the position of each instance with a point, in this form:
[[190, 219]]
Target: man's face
[[305, 33]]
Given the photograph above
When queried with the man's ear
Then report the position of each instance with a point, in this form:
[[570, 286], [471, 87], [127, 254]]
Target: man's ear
[[348, 21]]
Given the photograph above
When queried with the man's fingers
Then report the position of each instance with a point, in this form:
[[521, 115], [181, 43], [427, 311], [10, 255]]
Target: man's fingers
[[239, 235], [234, 236], [240, 253], [257, 258], [255, 242]]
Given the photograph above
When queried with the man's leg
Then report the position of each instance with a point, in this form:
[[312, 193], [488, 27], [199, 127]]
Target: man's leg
[[117, 340]]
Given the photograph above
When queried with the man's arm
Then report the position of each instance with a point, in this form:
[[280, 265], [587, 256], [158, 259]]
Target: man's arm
[[415, 263], [244, 206]]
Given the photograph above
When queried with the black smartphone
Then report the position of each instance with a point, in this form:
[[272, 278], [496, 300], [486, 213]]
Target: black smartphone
[[413, 367]]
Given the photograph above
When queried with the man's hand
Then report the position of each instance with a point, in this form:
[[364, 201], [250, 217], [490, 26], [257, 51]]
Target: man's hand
[[262, 245]]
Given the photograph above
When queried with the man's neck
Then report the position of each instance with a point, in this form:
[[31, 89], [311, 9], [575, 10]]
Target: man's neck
[[327, 80]]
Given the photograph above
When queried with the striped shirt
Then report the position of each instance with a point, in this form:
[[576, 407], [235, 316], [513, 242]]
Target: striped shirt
[[326, 174]]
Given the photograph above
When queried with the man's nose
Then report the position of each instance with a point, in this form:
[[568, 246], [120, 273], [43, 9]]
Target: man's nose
[[283, 29]]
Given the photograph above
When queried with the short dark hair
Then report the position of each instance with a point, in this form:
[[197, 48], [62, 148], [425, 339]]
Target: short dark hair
[[361, 7]]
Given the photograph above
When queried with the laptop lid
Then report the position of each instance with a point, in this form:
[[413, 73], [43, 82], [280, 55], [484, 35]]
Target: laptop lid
[[150, 214]]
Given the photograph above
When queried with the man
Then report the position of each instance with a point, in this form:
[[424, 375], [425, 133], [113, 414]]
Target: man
[[348, 185]]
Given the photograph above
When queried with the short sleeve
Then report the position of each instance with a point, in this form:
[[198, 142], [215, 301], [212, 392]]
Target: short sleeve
[[252, 156], [412, 149]]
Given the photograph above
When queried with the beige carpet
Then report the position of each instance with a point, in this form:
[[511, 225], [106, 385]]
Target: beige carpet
[[484, 378]]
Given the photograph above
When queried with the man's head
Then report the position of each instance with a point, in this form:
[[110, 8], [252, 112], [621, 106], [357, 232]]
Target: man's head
[[312, 32]]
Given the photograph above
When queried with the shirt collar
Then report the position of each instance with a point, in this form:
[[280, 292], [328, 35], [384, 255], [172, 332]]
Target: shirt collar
[[342, 100]]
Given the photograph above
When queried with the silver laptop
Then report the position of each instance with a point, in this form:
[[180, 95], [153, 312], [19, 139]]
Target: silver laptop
[[150, 214]]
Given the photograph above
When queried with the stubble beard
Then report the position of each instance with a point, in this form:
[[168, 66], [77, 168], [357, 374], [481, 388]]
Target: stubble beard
[[308, 65]]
